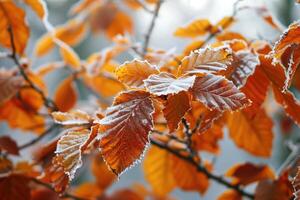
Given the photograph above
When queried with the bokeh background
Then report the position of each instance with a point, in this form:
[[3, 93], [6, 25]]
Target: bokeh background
[[173, 13]]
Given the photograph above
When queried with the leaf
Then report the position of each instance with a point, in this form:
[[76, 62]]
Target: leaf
[[133, 73], [72, 118], [194, 29], [228, 35], [65, 96], [279, 189], [6, 166], [230, 195], [175, 108], [247, 173], [158, 171], [251, 131], [244, 64], [104, 177], [208, 140], [187, 177], [256, 88], [9, 145], [69, 56], [70, 33], [70, 148], [290, 104], [165, 84], [10, 84], [38, 6], [126, 128], [216, 92], [88, 190], [13, 18], [14, 187], [43, 193], [206, 60]]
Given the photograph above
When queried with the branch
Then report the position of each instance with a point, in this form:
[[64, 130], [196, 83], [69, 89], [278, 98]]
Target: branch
[[150, 30], [47, 102], [203, 170], [65, 195], [37, 139], [144, 6]]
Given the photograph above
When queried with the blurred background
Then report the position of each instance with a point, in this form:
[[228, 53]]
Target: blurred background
[[173, 13]]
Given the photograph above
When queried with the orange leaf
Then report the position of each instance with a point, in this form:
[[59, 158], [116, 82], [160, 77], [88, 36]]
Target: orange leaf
[[65, 96], [13, 17], [72, 118], [175, 108], [158, 171], [248, 173], [216, 92], [38, 6], [230, 195], [104, 177], [280, 189], [194, 29], [133, 73], [206, 60], [89, 191], [165, 84], [187, 177], [69, 56], [251, 131], [126, 128]]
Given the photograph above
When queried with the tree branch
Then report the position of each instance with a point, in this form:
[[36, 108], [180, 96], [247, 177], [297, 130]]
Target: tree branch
[[151, 27], [47, 102]]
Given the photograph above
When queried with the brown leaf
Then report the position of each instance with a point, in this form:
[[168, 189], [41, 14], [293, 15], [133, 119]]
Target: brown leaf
[[158, 171], [247, 173], [133, 73], [13, 18], [251, 131], [9, 145], [126, 128], [65, 95], [206, 60], [14, 187], [175, 108], [72, 118], [216, 92], [104, 177], [165, 84]]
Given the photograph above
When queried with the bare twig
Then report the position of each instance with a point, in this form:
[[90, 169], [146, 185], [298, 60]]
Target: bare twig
[[144, 6], [37, 139], [47, 102], [151, 27]]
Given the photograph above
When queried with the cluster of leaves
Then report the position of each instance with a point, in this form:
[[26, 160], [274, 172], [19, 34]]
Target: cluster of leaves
[[176, 106]]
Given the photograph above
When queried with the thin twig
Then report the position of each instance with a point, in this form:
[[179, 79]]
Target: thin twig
[[144, 6], [37, 139], [151, 27], [47, 102], [202, 169]]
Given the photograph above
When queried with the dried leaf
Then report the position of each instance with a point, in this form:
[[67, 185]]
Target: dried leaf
[[165, 84], [65, 95], [216, 92], [70, 56], [72, 118], [14, 187], [38, 6], [230, 195], [206, 60], [104, 177], [89, 191], [194, 29], [133, 73], [9, 145], [126, 128]]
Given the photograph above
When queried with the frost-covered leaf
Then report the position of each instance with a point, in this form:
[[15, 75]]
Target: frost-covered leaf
[[206, 60], [133, 73], [176, 107], [165, 84], [126, 128], [72, 118], [244, 64], [194, 29], [70, 148], [216, 92]]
